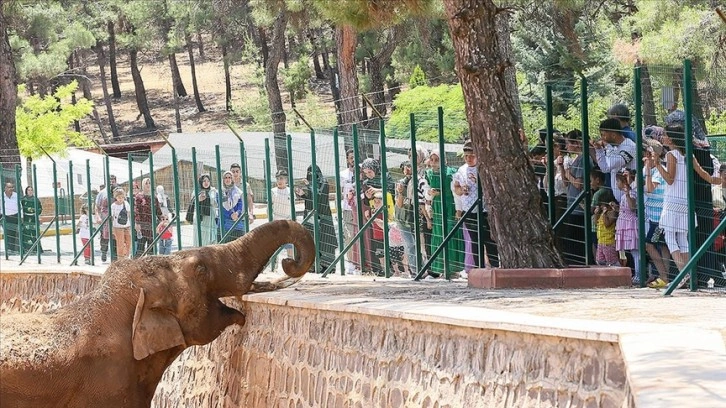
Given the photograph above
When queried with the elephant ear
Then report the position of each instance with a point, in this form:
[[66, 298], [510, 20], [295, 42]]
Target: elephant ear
[[154, 329]]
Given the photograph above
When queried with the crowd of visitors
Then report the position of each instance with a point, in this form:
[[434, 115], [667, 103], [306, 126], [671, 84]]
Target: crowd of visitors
[[431, 201]]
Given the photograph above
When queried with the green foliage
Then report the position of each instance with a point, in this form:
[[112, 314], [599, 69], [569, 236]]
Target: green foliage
[[424, 101], [418, 77], [429, 46], [716, 124], [46, 122], [296, 78]]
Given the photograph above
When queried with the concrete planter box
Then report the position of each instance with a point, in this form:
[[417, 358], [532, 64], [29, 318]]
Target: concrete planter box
[[565, 278]]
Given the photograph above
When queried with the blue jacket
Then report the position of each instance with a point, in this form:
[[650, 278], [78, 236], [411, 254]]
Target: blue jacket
[[232, 202]]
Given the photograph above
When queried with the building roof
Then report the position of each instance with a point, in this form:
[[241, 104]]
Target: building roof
[[229, 151], [79, 157]]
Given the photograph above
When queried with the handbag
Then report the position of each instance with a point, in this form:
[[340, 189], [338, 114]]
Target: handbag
[[190, 212]]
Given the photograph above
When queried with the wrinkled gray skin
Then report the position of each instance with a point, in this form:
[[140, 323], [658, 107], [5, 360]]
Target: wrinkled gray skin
[[111, 347]]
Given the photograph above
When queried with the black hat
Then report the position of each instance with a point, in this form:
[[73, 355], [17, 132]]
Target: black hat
[[281, 173], [468, 146]]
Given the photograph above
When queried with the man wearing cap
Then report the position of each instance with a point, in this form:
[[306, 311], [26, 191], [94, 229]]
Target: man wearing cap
[[613, 152], [466, 186], [404, 214], [622, 114]]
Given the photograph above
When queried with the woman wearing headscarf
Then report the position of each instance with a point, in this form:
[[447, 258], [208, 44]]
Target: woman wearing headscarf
[[232, 223], [328, 241], [163, 199], [205, 204], [29, 204], [455, 245], [373, 183]]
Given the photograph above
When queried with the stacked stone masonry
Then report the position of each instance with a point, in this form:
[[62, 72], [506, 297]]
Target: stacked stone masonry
[[306, 357]]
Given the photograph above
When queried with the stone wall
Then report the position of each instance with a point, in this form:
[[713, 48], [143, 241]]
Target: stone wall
[[294, 356]]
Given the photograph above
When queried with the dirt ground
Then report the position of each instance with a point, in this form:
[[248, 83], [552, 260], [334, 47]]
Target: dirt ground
[[157, 81], [696, 309]]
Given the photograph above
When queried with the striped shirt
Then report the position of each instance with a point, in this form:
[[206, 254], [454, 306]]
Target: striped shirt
[[654, 200]]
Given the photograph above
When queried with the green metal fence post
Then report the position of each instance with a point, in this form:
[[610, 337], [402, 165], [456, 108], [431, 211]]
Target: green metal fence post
[[72, 193], [444, 185], [89, 203], [338, 197], [177, 205], [249, 212], [132, 207], [384, 186], [640, 177], [314, 192], [195, 199], [109, 194], [550, 156], [586, 168], [416, 204], [688, 135], [5, 226], [37, 213], [55, 210], [19, 191], [291, 178], [220, 183], [153, 200], [356, 153]]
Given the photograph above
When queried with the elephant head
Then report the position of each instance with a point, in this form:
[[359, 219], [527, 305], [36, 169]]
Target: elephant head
[[177, 297], [121, 337]]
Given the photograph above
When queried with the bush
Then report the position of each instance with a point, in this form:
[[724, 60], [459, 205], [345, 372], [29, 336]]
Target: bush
[[424, 101]]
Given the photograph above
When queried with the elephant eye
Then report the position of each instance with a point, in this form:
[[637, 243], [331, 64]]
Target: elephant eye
[[201, 268]]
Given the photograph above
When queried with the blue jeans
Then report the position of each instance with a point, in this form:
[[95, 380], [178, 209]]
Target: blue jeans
[[409, 245], [165, 246]]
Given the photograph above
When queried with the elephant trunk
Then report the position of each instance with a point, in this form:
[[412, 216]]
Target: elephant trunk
[[252, 252]]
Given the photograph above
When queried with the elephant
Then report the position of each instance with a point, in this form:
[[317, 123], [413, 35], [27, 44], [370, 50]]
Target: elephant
[[111, 347]]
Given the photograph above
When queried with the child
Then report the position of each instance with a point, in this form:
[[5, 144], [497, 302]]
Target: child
[[84, 232], [280, 201], [598, 189], [604, 218], [165, 239], [377, 239], [626, 227], [121, 213], [395, 241]]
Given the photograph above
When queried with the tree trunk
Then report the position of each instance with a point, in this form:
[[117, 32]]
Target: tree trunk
[[227, 80], [274, 99], [316, 63], [335, 91], [101, 56], [71, 67], [200, 44], [195, 87], [376, 65], [141, 100], [646, 86], [112, 60], [510, 72], [523, 235], [326, 61], [264, 49], [346, 40], [9, 153], [176, 76]]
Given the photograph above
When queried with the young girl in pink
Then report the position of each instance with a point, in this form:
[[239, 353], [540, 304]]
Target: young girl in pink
[[626, 227]]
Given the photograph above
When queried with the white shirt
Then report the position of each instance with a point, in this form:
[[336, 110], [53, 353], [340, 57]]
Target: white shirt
[[346, 185], [281, 203], [467, 176], [12, 204], [116, 210], [84, 231], [614, 158]]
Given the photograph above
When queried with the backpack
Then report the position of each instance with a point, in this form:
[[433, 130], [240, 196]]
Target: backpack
[[123, 216]]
